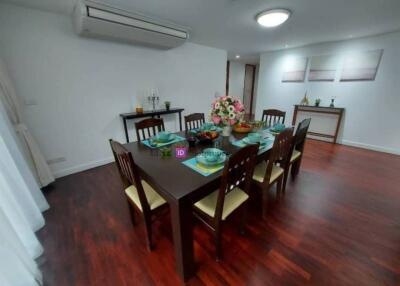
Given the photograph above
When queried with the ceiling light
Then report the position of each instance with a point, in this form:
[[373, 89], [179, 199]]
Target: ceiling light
[[273, 18], [237, 56]]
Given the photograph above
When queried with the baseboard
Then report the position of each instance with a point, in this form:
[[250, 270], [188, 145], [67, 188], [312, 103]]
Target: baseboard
[[371, 147], [82, 167]]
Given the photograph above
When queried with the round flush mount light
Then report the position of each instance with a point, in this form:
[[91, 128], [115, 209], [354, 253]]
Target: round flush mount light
[[273, 18]]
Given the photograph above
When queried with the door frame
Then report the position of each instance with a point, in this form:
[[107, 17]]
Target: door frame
[[228, 65], [252, 87]]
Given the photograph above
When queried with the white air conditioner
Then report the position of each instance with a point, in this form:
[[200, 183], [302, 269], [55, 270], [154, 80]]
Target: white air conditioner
[[100, 21]]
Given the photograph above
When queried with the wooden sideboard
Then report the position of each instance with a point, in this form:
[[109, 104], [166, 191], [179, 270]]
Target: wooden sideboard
[[321, 110]]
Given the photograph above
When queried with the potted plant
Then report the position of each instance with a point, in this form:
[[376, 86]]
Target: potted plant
[[167, 105], [317, 102], [226, 111]]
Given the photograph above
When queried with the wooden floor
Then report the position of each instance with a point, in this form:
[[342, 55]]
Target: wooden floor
[[339, 224]]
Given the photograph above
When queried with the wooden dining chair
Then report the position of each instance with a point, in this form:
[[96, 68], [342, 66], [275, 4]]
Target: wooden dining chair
[[271, 170], [231, 195], [194, 121], [151, 125], [273, 116], [299, 141], [140, 195]]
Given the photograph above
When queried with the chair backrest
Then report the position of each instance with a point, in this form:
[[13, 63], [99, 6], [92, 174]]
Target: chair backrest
[[280, 152], [238, 171], [151, 125], [129, 172], [301, 133], [273, 116], [282, 146], [194, 121]]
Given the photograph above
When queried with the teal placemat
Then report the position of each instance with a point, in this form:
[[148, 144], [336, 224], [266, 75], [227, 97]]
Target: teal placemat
[[201, 169], [270, 142], [177, 139]]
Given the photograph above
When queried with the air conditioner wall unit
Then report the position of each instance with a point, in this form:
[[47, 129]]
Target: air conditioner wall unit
[[91, 19]]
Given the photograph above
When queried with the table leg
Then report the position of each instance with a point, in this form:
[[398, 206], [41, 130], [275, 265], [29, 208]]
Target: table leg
[[180, 121], [126, 131], [337, 127], [182, 227]]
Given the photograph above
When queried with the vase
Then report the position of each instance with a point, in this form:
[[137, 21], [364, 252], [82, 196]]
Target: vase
[[226, 131], [304, 101]]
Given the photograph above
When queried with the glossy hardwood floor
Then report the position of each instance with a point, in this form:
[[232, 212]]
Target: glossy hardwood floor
[[339, 224]]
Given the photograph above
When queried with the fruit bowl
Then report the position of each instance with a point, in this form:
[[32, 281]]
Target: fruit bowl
[[243, 128], [207, 137]]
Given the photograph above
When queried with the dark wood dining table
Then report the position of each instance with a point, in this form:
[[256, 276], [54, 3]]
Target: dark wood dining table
[[181, 187]]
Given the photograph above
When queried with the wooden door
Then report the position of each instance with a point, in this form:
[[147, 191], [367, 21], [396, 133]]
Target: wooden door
[[248, 94]]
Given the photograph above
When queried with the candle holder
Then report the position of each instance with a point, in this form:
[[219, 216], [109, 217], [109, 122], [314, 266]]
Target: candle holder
[[153, 100]]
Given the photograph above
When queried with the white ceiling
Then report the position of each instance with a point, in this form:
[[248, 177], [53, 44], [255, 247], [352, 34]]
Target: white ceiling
[[230, 24]]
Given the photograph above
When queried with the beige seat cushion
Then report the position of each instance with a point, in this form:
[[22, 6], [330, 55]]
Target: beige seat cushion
[[154, 199], [296, 154], [259, 172], [232, 201]]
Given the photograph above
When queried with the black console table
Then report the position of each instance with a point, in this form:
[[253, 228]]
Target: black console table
[[150, 113]]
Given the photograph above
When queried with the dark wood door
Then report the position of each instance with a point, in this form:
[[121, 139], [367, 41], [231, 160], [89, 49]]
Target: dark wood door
[[248, 93]]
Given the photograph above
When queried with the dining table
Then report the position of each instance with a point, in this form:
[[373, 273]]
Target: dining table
[[181, 187]]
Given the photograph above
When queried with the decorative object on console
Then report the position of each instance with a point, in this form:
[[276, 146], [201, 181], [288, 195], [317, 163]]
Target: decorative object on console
[[153, 99], [304, 101], [361, 66], [317, 102], [295, 70], [226, 111], [167, 105], [332, 103], [139, 109]]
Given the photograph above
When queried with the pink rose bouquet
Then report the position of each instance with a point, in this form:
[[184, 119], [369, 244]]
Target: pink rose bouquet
[[227, 110]]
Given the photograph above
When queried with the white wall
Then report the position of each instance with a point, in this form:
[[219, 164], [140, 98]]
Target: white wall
[[80, 86], [372, 113], [236, 79]]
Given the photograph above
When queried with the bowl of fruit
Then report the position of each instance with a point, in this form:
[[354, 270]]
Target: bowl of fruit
[[243, 127], [206, 137]]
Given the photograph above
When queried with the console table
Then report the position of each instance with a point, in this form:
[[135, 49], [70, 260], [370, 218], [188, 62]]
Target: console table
[[149, 113], [324, 110]]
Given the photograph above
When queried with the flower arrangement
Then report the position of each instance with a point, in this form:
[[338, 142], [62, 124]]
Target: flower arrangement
[[227, 110]]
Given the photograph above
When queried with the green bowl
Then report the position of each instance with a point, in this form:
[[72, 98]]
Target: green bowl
[[202, 160], [212, 154]]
